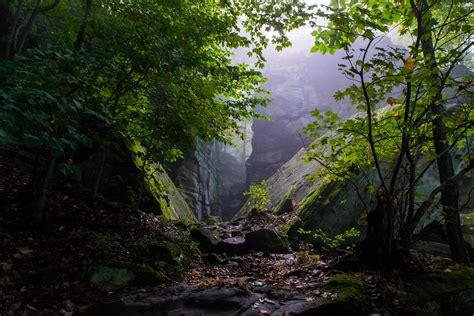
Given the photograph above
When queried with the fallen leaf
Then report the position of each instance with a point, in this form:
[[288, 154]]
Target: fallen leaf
[[269, 301], [25, 251], [31, 307], [7, 267], [18, 255]]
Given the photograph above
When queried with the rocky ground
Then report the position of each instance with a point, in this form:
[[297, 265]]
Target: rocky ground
[[97, 257]]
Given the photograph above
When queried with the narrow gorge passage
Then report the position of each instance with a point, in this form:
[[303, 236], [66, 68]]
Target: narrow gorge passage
[[236, 157]]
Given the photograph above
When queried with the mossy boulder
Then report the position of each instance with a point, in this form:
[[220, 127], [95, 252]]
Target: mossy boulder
[[325, 202], [266, 240], [145, 276], [352, 296], [208, 240], [321, 202], [440, 293], [172, 204]]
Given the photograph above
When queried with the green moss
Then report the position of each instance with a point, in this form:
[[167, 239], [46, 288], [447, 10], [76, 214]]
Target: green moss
[[347, 287], [352, 297], [322, 197], [439, 293], [172, 204], [433, 286], [308, 203], [467, 219], [110, 276], [288, 225]]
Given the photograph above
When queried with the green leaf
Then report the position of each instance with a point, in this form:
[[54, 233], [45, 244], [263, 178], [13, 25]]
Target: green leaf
[[32, 141], [6, 138]]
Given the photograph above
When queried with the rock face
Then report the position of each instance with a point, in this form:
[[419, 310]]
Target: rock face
[[211, 180], [273, 144], [196, 177], [336, 206], [159, 184], [299, 83], [231, 184]]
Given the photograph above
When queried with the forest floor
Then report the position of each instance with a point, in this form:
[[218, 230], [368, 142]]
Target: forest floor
[[81, 262]]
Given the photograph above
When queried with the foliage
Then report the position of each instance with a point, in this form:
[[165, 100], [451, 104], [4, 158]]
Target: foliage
[[106, 276], [259, 196], [328, 242], [82, 74], [38, 110], [104, 244], [403, 92]]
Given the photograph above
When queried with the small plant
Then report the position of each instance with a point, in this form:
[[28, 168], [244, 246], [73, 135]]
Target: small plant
[[259, 196], [335, 242], [331, 243], [106, 276], [104, 244]]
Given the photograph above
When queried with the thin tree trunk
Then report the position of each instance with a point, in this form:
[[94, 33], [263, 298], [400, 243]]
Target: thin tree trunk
[[82, 28], [95, 189], [39, 190], [23, 31], [378, 248]]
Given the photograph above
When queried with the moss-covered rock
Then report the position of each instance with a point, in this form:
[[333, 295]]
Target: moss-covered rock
[[172, 204], [266, 240], [441, 293], [208, 240], [145, 276], [351, 294], [333, 206]]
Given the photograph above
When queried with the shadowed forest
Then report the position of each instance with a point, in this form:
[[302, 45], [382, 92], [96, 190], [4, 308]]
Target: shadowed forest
[[236, 157]]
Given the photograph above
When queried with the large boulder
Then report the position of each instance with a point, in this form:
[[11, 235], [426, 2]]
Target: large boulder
[[266, 240], [208, 240], [233, 245]]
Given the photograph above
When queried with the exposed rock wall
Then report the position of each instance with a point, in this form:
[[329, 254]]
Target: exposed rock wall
[[211, 180], [336, 206], [172, 204], [196, 177], [231, 184], [273, 144], [299, 83]]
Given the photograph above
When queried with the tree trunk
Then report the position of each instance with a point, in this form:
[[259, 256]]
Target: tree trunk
[[38, 192], [450, 194], [82, 28], [95, 189], [379, 248]]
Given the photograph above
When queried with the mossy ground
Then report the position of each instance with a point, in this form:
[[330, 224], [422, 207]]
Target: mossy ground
[[349, 289], [441, 293]]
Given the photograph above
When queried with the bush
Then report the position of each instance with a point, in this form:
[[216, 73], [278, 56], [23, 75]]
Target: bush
[[259, 196]]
